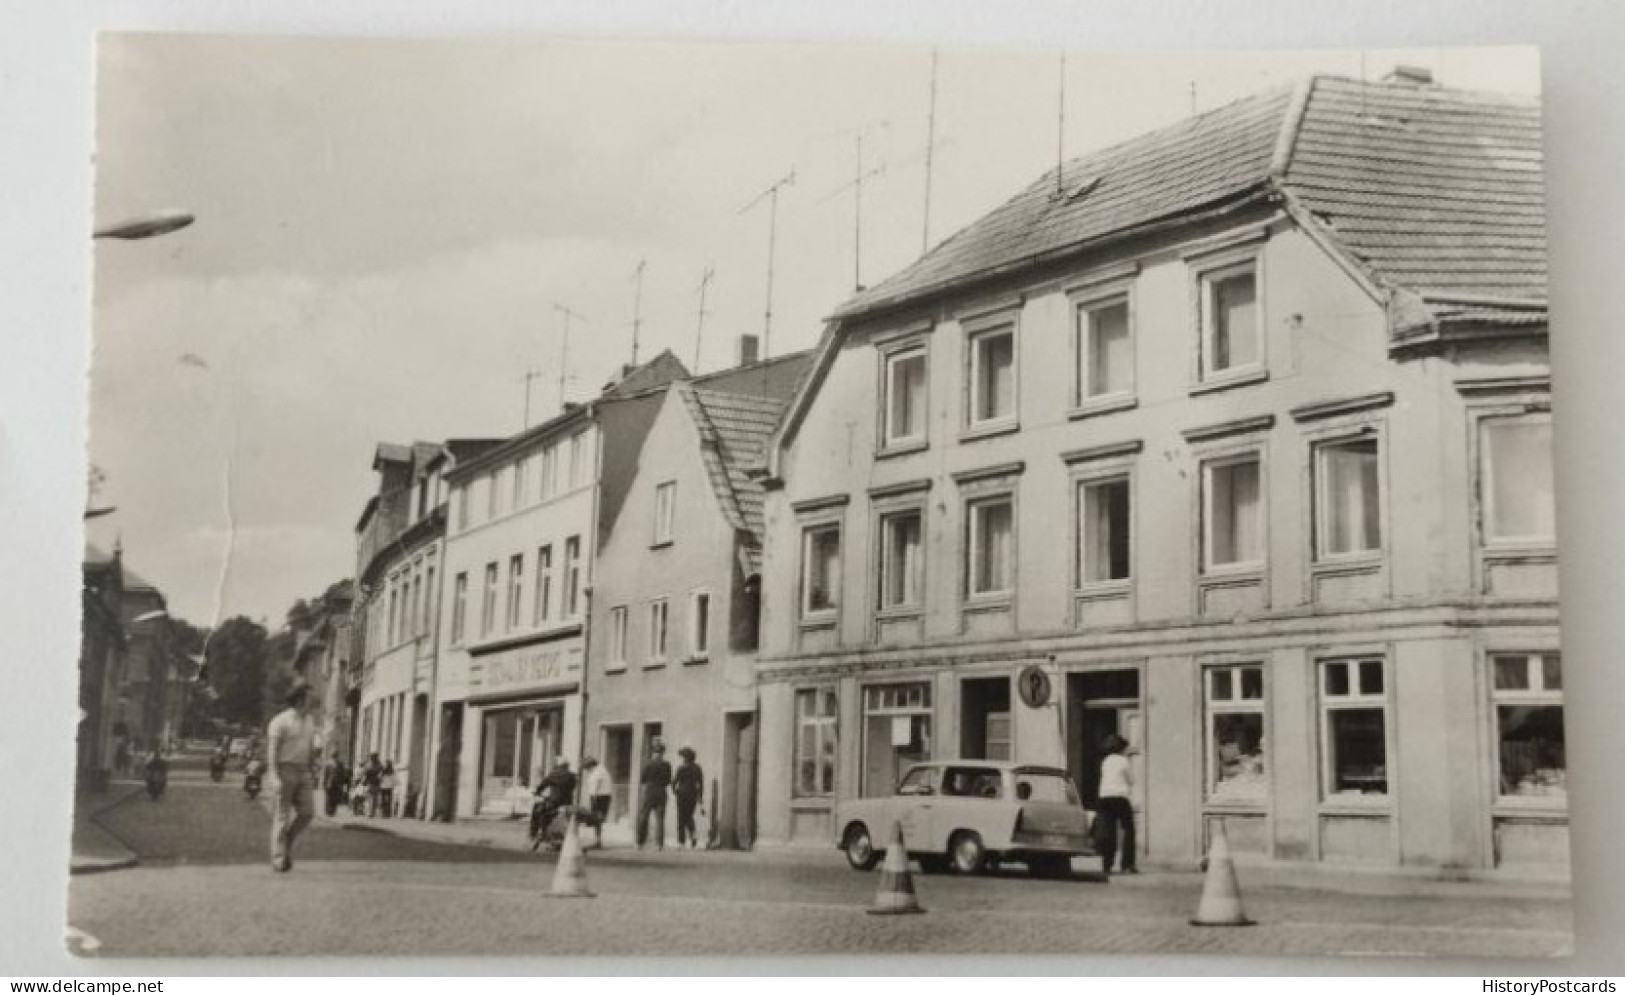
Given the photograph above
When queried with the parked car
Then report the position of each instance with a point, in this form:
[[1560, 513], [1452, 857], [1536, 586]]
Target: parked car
[[238, 750], [970, 815]]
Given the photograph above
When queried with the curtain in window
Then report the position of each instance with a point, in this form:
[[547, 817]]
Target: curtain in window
[[1352, 519], [995, 541], [908, 397], [1236, 514], [997, 374], [1235, 312], [1105, 531], [1110, 359], [903, 562], [1518, 469]]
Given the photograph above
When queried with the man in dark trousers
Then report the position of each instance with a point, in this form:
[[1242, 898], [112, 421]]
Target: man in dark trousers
[[655, 782], [688, 784]]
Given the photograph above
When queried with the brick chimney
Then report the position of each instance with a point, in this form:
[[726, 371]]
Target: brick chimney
[[1410, 75], [750, 349]]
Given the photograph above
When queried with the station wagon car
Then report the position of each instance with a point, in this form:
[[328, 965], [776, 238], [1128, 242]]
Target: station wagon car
[[968, 815]]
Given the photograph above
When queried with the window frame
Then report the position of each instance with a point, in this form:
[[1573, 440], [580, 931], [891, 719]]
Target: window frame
[[1003, 324], [1319, 445], [974, 553], [1236, 704], [827, 726], [1356, 700], [459, 609], [1532, 697], [488, 600], [1082, 482], [1083, 303], [1208, 278], [665, 514], [514, 614], [541, 609], [1483, 472], [886, 518], [898, 351], [699, 635], [1207, 463], [571, 607], [659, 632], [809, 530], [619, 629]]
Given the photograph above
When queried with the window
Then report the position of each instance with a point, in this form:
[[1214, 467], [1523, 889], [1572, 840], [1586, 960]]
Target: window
[[1236, 769], [1103, 531], [578, 460], [1105, 353], [493, 492], [1233, 525], [1348, 505], [993, 376], [665, 510], [462, 508], [572, 576], [900, 557], [544, 583], [394, 597], [896, 733], [459, 608], [488, 601], [521, 482], [1354, 724], [820, 570], [1531, 755], [919, 781], [991, 569], [416, 596], [699, 624], [905, 398], [617, 637], [658, 619], [550, 472], [815, 742], [516, 585], [1232, 339], [1516, 478], [426, 620]]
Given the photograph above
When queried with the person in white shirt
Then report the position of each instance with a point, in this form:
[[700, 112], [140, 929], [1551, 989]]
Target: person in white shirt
[[1116, 811], [599, 790], [289, 749]]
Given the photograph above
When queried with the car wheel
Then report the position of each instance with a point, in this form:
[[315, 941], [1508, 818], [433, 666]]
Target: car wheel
[[966, 852], [1050, 867], [860, 848]]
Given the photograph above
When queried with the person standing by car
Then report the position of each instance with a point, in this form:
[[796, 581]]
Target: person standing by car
[[599, 791], [688, 784], [656, 779], [289, 746], [1116, 810]]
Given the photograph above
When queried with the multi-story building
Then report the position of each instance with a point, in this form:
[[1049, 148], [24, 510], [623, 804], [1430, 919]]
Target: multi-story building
[[518, 559], [399, 553], [1233, 439], [152, 665], [101, 666], [676, 591]]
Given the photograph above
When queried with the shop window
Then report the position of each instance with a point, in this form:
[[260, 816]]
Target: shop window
[[1515, 457], [617, 637], [1531, 748], [1233, 513], [1354, 728], [1232, 330], [904, 400], [516, 585], [820, 571], [815, 742], [665, 511], [488, 601], [992, 376], [1105, 352], [897, 733], [544, 582], [459, 608], [900, 560], [1348, 503], [1103, 531], [991, 545], [1237, 770]]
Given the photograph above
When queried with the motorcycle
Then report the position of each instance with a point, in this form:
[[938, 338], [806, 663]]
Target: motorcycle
[[251, 780]]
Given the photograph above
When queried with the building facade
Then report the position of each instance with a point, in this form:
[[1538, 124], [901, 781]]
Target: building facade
[[676, 600], [1234, 440], [101, 666]]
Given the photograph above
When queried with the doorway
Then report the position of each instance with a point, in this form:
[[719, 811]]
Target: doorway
[[1101, 703], [984, 718], [618, 763], [736, 808], [448, 756]]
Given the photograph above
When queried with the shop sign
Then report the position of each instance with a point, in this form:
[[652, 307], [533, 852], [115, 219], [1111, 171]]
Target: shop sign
[[526, 668]]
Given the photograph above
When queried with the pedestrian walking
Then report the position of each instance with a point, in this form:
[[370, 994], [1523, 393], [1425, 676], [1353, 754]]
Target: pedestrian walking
[[1116, 815], [688, 784], [334, 779], [655, 781], [386, 789], [371, 775], [289, 744], [600, 791]]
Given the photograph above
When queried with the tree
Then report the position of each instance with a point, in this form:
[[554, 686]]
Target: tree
[[237, 667]]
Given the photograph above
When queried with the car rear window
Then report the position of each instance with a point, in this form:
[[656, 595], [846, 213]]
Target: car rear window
[[1045, 788]]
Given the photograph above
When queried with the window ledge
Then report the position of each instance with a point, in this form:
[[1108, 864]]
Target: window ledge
[[989, 602], [1376, 807], [816, 622], [654, 664], [694, 659], [1538, 809], [1231, 575], [1104, 589], [990, 430], [1235, 806], [615, 668], [1102, 406], [898, 614], [896, 449], [1229, 380], [812, 802], [1534, 552], [1364, 563]]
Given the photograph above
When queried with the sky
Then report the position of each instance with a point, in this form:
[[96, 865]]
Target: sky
[[386, 230]]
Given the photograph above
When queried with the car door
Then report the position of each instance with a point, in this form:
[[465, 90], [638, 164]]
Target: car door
[[912, 808], [969, 799]]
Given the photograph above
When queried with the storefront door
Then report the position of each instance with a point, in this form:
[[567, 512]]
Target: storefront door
[[518, 746], [1099, 704], [896, 733]]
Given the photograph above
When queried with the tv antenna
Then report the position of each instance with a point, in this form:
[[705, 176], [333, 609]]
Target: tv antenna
[[637, 306], [564, 346], [530, 375], [699, 328], [771, 195], [930, 145], [856, 186]]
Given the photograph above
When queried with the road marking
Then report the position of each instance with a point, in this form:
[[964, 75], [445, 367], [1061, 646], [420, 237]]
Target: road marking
[[82, 943]]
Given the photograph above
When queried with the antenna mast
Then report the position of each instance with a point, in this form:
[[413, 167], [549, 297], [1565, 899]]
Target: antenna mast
[[1060, 128], [930, 147], [564, 346], [529, 376], [699, 329], [771, 195], [637, 307]]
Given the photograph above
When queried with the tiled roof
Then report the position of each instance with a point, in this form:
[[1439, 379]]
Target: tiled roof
[[657, 372], [734, 431], [1434, 191]]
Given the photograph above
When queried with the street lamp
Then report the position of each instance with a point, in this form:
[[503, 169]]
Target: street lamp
[[150, 226]]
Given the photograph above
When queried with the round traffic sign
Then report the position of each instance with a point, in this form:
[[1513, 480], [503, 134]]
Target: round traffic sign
[[1033, 685]]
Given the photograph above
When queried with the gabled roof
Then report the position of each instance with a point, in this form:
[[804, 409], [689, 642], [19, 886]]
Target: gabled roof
[[657, 372], [734, 431], [1431, 192]]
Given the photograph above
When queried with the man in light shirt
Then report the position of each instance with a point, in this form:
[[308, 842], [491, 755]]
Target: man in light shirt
[[599, 790], [1117, 811], [289, 749]]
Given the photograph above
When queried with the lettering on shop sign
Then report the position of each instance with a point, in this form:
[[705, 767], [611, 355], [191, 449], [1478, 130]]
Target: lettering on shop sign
[[528, 668]]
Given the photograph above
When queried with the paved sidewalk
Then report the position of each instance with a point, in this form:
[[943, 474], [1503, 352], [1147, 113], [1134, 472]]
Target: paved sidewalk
[[94, 848]]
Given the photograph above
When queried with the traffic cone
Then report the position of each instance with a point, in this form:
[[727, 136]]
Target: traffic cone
[[1221, 897], [896, 894], [570, 879]]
